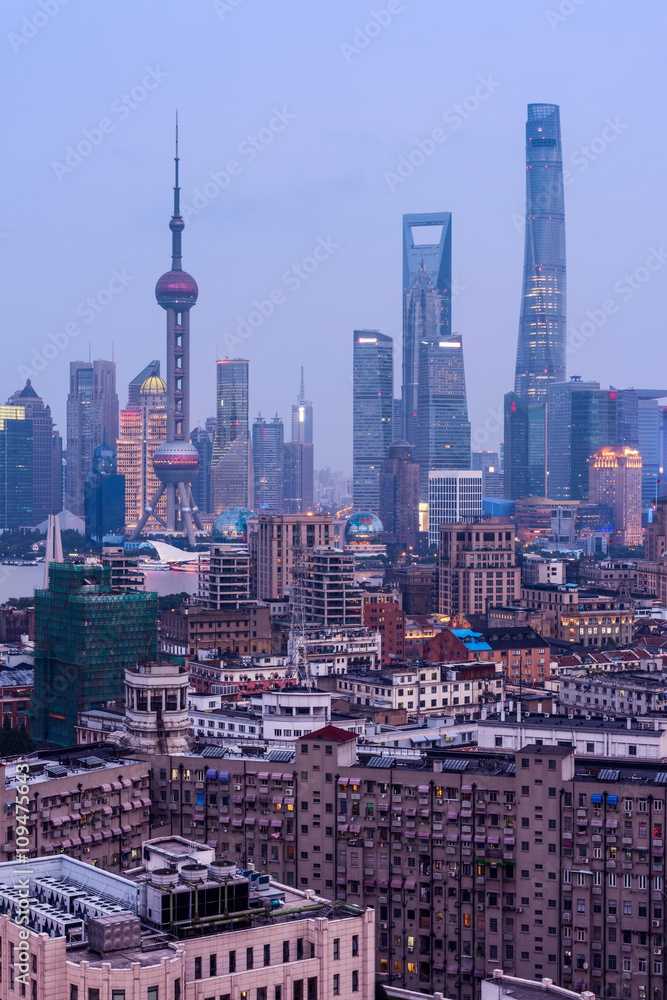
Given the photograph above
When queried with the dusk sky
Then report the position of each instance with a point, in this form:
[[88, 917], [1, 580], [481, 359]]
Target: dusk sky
[[333, 108]]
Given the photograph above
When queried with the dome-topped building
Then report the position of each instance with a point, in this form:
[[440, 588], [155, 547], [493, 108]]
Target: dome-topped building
[[232, 524], [153, 386], [364, 526]]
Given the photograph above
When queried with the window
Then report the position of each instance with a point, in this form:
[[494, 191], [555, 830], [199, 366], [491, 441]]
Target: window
[[212, 968], [249, 958], [336, 949], [355, 945], [285, 952], [73, 992], [198, 967], [232, 962], [355, 981], [118, 995], [336, 985], [267, 954], [152, 993]]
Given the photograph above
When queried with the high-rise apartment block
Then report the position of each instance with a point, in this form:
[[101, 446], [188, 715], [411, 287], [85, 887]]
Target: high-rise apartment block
[[581, 419], [453, 496], [298, 495], [615, 477], [372, 391], [226, 582], [477, 567], [231, 470], [330, 594], [267, 463], [399, 491], [277, 537], [92, 417]]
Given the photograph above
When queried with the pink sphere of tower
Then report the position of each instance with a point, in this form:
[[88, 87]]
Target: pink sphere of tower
[[176, 462], [176, 290]]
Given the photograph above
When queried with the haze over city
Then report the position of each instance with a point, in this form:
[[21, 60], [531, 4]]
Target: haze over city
[[338, 109]]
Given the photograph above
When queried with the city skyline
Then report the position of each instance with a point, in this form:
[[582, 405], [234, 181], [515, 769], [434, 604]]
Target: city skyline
[[475, 174]]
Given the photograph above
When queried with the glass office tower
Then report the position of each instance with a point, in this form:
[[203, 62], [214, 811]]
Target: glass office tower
[[230, 474], [372, 392], [540, 357], [435, 412], [582, 419], [267, 463]]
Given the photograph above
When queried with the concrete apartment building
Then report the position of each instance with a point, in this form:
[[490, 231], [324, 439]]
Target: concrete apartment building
[[625, 694], [477, 566], [459, 691], [583, 617], [92, 804], [241, 631], [528, 860], [277, 535], [382, 613], [226, 582], [93, 935], [522, 654]]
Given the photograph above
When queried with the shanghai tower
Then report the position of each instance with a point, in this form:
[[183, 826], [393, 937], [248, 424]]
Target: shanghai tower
[[540, 356]]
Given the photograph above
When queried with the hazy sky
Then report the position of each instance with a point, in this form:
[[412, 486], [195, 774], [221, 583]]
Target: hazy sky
[[314, 104]]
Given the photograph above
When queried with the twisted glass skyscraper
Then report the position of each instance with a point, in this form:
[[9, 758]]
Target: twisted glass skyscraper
[[540, 356]]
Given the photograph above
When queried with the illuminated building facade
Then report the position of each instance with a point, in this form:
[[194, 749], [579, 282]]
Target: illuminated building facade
[[92, 416], [615, 475], [267, 462], [582, 418], [143, 428], [540, 357], [372, 391], [435, 413], [230, 474], [46, 454], [16, 475]]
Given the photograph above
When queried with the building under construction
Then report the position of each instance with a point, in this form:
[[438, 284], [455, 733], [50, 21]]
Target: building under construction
[[86, 635]]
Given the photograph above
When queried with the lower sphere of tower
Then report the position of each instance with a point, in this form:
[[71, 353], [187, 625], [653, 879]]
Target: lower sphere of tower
[[176, 462]]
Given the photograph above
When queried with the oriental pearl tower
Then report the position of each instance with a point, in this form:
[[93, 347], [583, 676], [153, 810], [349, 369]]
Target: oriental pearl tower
[[176, 462]]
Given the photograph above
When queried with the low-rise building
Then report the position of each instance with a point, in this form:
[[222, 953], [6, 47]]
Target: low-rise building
[[16, 687], [594, 737], [185, 925], [522, 654], [586, 618], [624, 694]]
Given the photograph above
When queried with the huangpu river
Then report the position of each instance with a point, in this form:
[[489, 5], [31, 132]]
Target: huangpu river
[[22, 581]]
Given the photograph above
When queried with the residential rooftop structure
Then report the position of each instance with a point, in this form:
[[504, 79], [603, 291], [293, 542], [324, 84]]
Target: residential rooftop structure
[[624, 694], [185, 924]]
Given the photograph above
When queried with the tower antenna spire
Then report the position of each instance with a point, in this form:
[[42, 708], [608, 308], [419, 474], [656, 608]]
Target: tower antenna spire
[[176, 225]]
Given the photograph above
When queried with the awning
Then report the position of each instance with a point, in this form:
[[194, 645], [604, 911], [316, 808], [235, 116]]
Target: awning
[[289, 802], [251, 797], [451, 814], [115, 831], [410, 884], [75, 817], [596, 798], [126, 828], [249, 821], [116, 786], [106, 834], [237, 799], [466, 788], [59, 822], [277, 800], [211, 773], [369, 883], [423, 789], [424, 813], [493, 839], [596, 822], [508, 840], [411, 833], [612, 823], [97, 837], [237, 822], [126, 807], [288, 777], [383, 807], [396, 883], [137, 804], [342, 781], [263, 775], [106, 788], [382, 883], [125, 782], [342, 828], [452, 970], [107, 810], [76, 841], [146, 803], [277, 776], [212, 842], [66, 843], [480, 839], [410, 812], [276, 823], [452, 837], [612, 800], [224, 777], [398, 810], [86, 838]]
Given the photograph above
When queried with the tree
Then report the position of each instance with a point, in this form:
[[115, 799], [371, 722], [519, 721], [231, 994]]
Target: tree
[[380, 991]]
